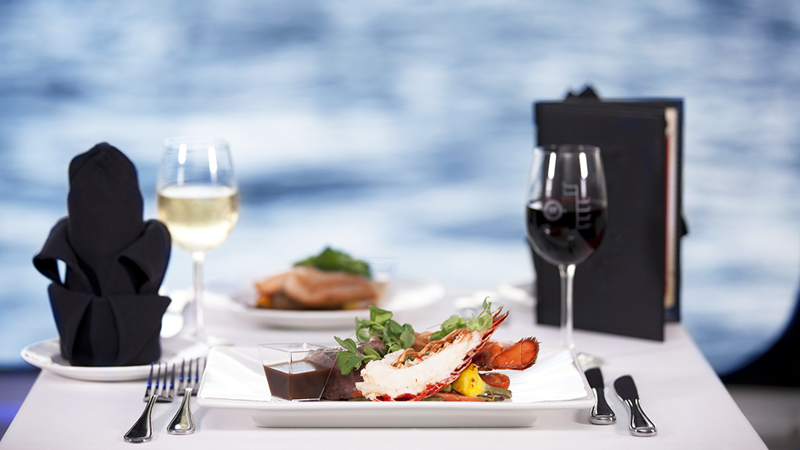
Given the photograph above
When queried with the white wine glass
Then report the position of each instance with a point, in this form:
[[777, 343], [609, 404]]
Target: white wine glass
[[566, 213], [198, 201]]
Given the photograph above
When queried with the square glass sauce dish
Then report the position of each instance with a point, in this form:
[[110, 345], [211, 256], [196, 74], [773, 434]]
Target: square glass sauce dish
[[297, 371]]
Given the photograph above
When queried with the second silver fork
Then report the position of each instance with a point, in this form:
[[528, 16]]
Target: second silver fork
[[183, 422], [159, 389]]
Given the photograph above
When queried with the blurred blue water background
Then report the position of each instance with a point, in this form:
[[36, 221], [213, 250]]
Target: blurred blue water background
[[403, 129]]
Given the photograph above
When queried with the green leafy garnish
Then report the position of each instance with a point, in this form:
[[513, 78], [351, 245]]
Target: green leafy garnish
[[331, 260], [482, 322], [349, 359], [380, 324]]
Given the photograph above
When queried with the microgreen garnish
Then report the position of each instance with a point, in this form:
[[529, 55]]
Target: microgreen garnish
[[331, 260], [380, 324], [350, 359], [482, 322]]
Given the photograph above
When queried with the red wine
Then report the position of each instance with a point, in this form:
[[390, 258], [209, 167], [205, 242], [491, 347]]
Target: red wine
[[563, 235]]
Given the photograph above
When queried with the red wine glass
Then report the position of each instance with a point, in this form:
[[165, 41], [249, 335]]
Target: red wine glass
[[566, 213]]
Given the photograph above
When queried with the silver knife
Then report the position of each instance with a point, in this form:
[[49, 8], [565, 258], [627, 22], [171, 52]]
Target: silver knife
[[601, 413], [640, 423]]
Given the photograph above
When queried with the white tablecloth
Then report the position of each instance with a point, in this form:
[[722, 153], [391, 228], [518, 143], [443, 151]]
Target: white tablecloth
[[679, 390]]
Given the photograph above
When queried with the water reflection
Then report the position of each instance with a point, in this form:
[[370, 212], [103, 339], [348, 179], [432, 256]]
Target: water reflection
[[404, 129]]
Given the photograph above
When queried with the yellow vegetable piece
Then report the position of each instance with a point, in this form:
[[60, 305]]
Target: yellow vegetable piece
[[469, 383]]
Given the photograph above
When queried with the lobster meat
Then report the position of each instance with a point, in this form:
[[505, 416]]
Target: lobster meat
[[416, 373]]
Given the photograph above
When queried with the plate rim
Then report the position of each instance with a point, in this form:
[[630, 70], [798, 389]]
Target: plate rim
[[319, 319], [86, 373]]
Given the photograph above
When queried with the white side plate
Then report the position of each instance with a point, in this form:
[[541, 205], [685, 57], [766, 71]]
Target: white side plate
[[46, 355], [234, 379]]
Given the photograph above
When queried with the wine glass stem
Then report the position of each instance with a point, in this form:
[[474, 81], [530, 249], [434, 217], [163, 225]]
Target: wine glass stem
[[197, 301], [567, 274]]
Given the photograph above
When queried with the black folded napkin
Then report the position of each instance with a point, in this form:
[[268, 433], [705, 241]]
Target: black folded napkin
[[106, 307]]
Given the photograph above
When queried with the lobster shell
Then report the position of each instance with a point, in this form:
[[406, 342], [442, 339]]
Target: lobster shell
[[433, 388]]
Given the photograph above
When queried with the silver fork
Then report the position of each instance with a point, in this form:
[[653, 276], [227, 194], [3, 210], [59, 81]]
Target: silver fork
[[183, 423], [159, 389]]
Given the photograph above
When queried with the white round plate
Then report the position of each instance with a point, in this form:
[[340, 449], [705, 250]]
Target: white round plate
[[403, 294], [46, 355]]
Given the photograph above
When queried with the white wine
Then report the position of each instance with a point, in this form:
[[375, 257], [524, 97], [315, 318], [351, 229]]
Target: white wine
[[199, 217]]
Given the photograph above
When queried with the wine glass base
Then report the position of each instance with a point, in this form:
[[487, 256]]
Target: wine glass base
[[216, 341], [205, 340], [587, 361]]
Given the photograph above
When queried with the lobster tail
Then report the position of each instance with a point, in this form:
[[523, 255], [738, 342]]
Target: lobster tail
[[453, 355]]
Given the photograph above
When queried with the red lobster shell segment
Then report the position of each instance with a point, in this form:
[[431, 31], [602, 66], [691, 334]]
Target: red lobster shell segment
[[508, 355]]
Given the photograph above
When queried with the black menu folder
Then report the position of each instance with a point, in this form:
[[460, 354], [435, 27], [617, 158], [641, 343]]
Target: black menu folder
[[631, 285]]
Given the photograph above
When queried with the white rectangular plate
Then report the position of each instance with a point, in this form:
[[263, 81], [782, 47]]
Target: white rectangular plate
[[234, 379]]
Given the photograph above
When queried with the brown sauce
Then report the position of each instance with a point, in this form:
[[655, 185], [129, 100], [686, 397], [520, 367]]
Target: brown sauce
[[305, 380]]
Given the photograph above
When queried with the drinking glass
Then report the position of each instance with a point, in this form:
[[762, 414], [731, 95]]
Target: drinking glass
[[198, 200], [566, 213]]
